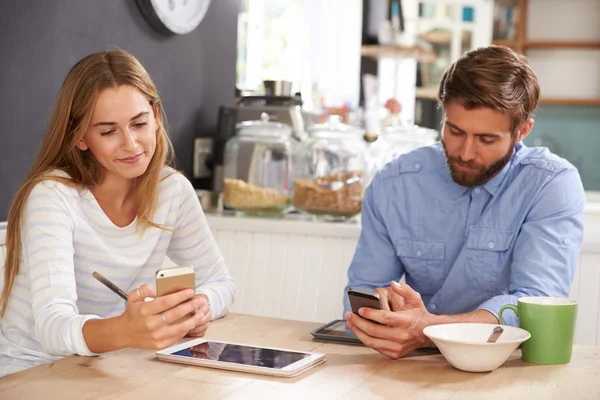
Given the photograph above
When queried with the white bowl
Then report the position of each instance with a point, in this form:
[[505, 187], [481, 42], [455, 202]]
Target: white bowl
[[465, 345]]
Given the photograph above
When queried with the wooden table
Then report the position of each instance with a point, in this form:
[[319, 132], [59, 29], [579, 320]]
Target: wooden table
[[351, 372]]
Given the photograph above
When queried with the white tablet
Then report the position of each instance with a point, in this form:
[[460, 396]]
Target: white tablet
[[241, 357]]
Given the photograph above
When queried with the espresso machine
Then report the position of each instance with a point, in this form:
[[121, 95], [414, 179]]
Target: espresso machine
[[279, 108]]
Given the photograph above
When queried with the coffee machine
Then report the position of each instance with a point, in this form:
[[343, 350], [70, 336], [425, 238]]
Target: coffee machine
[[283, 109]]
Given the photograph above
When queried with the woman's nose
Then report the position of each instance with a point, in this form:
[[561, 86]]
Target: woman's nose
[[129, 141]]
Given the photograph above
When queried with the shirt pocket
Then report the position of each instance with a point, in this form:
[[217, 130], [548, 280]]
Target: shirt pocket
[[487, 257], [423, 262]]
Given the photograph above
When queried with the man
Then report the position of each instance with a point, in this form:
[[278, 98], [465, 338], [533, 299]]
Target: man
[[473, 222]]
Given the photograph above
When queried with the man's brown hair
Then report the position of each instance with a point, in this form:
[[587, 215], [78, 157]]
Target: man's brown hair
[[493, 77]]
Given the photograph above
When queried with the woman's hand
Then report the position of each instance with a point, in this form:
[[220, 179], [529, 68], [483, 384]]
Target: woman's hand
[[150, 324], [204, 321]]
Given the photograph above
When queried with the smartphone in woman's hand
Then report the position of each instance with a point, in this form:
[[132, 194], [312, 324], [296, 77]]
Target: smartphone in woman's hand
[[175, 279]]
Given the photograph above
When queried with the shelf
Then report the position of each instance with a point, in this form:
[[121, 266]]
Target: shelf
[[393, 51], [563, 44], [570, 102]]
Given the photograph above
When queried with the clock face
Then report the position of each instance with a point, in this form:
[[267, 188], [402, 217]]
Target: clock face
[[177, 16]]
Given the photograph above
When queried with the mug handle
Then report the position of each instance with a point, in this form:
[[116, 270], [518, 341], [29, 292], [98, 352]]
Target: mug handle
[[508, 306]]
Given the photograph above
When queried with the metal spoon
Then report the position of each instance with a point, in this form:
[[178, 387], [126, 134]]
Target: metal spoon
[[495, 334]]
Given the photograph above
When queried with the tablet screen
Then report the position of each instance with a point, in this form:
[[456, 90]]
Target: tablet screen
[[239, 354]]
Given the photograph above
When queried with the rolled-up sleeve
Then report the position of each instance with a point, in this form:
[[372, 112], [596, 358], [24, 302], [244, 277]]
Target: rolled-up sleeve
[[548, 245]]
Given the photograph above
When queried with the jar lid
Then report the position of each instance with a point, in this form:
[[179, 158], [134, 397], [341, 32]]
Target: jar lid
[[335, 128], [263, 127]]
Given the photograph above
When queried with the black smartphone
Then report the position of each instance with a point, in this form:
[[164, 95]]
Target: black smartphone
[[362, 298]]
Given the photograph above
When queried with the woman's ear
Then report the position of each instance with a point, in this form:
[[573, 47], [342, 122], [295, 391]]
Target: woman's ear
[[82, 145], [157, 115]]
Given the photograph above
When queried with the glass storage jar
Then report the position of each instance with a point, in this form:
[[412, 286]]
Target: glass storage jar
[[330, 171], [394, 141], [257, 167]]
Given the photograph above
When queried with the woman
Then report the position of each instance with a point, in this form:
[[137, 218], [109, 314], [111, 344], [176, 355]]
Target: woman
[[100, 197]]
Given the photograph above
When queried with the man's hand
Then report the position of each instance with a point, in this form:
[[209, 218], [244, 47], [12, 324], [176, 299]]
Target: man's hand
[[390, 300], [402, 329]]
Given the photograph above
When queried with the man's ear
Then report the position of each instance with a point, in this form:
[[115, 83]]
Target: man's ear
[[525, 129], [82, 145]]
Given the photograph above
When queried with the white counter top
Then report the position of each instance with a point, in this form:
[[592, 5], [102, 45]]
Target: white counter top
[[292, 224]]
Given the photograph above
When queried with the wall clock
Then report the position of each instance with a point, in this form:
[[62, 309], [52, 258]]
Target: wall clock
[[174, 16]]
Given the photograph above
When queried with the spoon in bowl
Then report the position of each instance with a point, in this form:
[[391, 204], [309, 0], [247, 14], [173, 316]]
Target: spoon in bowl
[[495, 334]]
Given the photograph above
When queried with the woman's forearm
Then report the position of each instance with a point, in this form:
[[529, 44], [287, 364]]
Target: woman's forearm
[[103, 335]]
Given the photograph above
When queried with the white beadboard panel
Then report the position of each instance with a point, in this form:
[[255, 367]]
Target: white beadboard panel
[[274, 274], [254, 281], [333, 278], [226, 242], [588, 295], [239, 267], [307, 306], [292, 292]]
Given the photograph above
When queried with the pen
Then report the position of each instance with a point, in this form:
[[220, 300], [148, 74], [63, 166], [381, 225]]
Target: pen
[[110, 285]]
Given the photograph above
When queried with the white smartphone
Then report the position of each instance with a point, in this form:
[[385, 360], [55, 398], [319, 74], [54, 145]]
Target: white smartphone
[[241, 357]]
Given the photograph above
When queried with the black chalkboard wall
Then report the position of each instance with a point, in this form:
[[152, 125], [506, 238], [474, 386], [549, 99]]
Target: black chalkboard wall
[[41, 40]]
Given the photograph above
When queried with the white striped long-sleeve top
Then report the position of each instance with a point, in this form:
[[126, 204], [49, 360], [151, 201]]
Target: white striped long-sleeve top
[[66, 236]]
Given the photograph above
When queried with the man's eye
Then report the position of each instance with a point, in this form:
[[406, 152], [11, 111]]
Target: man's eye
[[455, 133], [487, 141]]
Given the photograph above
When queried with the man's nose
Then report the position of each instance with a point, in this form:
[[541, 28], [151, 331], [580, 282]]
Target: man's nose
[[467, 151]]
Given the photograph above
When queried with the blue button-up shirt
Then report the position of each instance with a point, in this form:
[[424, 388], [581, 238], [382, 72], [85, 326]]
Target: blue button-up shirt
[[465, 249]]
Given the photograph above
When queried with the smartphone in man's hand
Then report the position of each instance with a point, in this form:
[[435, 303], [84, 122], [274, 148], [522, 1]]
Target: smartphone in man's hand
[[361, 298]]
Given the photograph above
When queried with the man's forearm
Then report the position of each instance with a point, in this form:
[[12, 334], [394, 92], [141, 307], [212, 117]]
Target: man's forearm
[[481, 316]]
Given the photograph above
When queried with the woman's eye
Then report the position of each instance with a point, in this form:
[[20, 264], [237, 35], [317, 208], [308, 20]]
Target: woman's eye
[[107, 133], [141, 124], [455, 133]]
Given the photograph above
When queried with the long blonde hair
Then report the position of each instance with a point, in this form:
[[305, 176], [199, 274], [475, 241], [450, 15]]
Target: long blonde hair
[[70, 120]]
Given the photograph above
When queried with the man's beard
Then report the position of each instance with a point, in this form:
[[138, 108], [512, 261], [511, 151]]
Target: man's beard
[[482, 176]]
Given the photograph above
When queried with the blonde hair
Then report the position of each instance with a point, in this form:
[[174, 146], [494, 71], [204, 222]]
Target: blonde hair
[[493, 77], [70, 120]]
